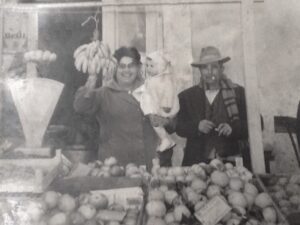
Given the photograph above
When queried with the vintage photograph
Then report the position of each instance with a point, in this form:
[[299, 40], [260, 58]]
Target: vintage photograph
[[150, 112]]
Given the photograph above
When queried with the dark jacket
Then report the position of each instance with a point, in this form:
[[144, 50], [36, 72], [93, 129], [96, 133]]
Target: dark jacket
[[124, 131], [192, 111]]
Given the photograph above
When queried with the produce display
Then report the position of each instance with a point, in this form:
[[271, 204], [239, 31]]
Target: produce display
[[110, 167], [174, 196], [186, 174], [285, 190], [54, 208], [85, 209], [199, 194], [177, 194]]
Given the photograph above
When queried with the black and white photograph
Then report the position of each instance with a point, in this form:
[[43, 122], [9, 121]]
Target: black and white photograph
[[150, 112]]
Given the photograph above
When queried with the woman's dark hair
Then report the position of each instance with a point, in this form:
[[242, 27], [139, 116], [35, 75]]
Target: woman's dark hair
[[131, 52]]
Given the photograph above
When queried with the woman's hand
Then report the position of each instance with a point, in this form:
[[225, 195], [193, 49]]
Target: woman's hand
[[224, 129], [91, 81], [90, 85], [205, 126], [158, 121]]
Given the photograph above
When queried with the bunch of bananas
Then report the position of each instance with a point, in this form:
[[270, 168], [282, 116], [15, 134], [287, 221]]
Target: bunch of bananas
[[39, 56], [93, 57]]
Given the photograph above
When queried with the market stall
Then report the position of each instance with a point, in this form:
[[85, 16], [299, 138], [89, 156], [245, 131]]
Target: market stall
[[51, 183]]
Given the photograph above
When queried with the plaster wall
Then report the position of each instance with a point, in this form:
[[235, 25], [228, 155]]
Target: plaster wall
[[277, 31]]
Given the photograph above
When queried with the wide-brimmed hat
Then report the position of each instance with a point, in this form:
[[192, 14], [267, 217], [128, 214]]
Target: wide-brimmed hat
[[208, 55]]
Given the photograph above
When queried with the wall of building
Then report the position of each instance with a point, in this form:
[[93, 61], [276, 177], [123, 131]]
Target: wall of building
[[278, 48]]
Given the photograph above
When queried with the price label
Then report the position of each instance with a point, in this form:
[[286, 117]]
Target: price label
[[213, 211], [132, 197], [239, 162]]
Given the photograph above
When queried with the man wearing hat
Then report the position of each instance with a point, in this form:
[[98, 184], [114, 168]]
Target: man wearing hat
[[212, 115]]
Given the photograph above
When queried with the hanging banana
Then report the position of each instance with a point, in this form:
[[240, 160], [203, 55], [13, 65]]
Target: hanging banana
[[95, 57], [79, 50]]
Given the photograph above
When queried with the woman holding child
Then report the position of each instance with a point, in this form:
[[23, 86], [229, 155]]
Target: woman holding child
[[125, 131]]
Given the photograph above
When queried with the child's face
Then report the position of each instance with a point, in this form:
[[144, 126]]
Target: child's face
[[151, 68], [154, 68]]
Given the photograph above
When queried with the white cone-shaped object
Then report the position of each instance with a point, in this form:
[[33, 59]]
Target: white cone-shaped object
[[35, 99]]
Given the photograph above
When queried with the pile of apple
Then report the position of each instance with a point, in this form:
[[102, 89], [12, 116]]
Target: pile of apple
[[285, 191], [110, 168], [187, 174], [177, 193], [85, 209]]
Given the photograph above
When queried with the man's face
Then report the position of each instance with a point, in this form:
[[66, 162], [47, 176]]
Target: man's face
[[211, 72]]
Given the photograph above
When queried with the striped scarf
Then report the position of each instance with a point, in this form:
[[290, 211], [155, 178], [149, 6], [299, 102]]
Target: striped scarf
[[229, 97]]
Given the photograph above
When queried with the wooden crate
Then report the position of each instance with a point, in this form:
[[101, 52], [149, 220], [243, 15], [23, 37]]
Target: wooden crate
[[77, 185], [262, 180]]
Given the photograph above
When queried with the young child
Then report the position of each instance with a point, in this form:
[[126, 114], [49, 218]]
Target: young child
[[158, 95]]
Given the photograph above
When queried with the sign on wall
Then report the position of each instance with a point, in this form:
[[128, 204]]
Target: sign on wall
[[15, 32]]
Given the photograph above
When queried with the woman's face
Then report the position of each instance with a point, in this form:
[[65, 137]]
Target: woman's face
[[127, 71]]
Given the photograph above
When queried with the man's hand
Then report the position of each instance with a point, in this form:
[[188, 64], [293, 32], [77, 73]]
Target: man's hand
[[158, 121], [205, 126], [224, 129]]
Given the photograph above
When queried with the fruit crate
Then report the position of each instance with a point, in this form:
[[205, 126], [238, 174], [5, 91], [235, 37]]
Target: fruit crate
[[264, 181], [28, 175], [193, 221], [128, 192]]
